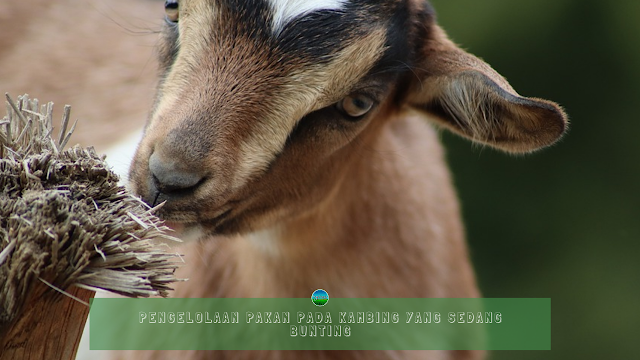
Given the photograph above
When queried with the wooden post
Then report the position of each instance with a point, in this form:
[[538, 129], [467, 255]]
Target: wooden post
[[49, 326]]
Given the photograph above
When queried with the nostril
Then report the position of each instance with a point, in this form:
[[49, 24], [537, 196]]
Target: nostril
[[171, 177]]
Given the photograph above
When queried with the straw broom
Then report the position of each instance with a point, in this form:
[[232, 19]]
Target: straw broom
[[66, 229]]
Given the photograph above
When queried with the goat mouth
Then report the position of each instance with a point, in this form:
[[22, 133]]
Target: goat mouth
[[181, 221], [190, 231], [216, 220]]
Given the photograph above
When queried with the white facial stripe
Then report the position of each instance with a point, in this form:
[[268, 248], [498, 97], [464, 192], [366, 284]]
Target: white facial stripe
[[285, 11]]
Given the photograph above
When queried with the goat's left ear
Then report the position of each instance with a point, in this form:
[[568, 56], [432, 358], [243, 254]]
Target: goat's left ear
[[467, 96]]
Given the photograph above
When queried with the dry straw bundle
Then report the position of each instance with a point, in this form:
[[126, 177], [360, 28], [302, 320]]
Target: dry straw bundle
[[66, 228]]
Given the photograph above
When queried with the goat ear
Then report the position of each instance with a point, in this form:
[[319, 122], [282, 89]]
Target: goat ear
[[466, 95]]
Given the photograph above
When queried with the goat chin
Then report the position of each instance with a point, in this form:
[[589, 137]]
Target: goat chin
[[187, 233]]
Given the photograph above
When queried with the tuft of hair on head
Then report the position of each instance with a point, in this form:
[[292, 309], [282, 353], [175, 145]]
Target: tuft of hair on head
[[66, 229]]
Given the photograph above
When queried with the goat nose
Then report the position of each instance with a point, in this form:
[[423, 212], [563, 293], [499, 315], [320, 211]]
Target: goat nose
[[170, 176]]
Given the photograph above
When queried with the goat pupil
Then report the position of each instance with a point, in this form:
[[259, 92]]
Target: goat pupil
[[359, 103], [171, 4]]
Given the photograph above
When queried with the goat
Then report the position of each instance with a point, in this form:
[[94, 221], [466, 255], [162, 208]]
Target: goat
[[292, 135]]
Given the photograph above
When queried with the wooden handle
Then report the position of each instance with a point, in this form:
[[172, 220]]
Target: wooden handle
[[49, 327]]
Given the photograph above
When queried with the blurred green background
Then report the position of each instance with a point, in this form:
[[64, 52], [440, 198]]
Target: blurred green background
[[563, 223]]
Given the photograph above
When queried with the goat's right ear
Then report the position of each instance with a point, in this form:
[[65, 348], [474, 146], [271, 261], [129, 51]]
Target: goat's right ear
[[466, 95]]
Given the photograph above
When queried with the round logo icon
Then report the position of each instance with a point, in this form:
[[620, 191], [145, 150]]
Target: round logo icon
[[320, 297]]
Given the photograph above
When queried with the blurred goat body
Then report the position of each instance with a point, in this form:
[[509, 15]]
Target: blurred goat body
[[292, 136]]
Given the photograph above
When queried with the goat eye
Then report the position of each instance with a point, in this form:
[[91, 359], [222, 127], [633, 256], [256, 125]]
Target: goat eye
[[355, 105], [172, 8]]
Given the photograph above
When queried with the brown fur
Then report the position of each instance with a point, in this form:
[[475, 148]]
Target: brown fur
[[370, 255], [369, 200]]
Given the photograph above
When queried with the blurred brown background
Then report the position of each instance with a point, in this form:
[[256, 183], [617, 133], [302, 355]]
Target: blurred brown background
[[96, 55], [563, 223]]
